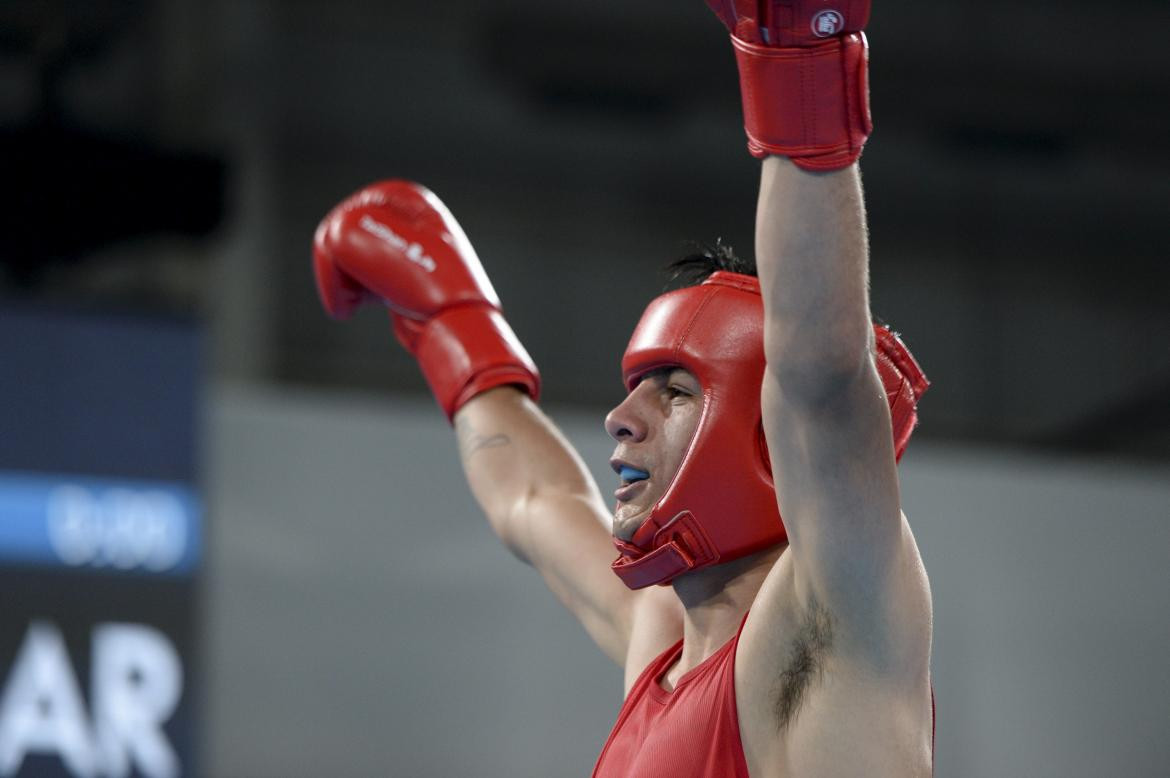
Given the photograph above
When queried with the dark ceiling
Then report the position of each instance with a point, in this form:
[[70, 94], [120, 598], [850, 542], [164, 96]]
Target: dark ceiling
[[176, 156]]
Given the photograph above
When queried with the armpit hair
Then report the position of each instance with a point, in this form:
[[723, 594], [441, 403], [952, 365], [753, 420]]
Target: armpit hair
[[805, 662]]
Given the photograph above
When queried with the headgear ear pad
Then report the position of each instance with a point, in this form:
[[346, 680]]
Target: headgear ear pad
[[721, 504]]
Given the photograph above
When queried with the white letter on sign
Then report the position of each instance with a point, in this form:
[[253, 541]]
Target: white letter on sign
[[42, 711], [137, 683]]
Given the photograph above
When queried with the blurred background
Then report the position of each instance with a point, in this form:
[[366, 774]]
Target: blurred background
[[234, 537]]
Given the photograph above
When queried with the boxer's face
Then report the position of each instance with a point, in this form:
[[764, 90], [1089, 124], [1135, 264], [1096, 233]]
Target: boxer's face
[[653, 427]]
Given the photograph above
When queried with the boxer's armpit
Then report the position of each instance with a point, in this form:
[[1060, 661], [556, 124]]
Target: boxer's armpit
[[471, 441], [805, 663]]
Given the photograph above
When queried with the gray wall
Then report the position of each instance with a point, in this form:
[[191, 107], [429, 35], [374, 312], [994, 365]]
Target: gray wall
[[362, 620]]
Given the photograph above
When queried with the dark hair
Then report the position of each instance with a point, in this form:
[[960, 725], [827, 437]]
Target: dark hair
[[705, 259]]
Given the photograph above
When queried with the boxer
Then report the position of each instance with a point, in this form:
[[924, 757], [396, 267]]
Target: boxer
[[767, 601]]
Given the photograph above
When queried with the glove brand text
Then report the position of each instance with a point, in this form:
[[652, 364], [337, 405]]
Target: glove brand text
[[412, 251]]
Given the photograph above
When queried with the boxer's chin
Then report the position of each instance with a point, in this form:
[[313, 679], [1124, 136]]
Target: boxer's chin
[[627, 520]]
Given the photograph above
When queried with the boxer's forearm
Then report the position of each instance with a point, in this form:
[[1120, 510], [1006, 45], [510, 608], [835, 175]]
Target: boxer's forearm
[[514, 455], [812, 256]]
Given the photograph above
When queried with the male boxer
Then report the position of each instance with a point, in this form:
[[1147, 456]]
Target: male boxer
[[770, 647]]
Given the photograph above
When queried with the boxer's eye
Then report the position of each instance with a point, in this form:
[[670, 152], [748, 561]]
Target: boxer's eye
[[680, 382]]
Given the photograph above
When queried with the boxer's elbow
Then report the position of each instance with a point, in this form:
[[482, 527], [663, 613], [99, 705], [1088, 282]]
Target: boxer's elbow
[[507, 521], [818, 371]]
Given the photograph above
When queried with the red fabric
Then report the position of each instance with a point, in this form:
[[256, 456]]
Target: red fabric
[[804, 77], [691, 732], [808, 103]]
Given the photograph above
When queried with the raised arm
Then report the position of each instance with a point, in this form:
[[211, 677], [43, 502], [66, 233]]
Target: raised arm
[[852, 576], [849, 597], [544, 505], [825, 410], [395, 243]]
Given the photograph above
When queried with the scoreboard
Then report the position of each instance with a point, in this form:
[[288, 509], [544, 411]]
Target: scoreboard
[[101, 537]]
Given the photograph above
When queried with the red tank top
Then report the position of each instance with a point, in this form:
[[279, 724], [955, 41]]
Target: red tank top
[[691, 732]]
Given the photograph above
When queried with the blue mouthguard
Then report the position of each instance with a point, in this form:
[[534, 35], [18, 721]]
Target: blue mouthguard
[[632, 474]]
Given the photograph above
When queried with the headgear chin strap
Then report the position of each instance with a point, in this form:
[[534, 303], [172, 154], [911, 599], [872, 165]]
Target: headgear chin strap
[[721, 504]]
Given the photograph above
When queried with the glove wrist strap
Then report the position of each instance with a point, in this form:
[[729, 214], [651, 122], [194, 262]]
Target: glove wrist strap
[[810, 104], [469, 349]]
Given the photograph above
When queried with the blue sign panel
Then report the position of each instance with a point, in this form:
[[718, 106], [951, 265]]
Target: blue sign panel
[[99, 523], [101, 537]]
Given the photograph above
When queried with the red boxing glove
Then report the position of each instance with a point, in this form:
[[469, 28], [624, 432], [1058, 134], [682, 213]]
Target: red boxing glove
[[804, 77], [396, 242]]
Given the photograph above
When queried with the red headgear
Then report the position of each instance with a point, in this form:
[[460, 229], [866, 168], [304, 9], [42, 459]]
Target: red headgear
[[721, 504]]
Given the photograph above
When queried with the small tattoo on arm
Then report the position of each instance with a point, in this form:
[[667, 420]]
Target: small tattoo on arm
[[471, 441]]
